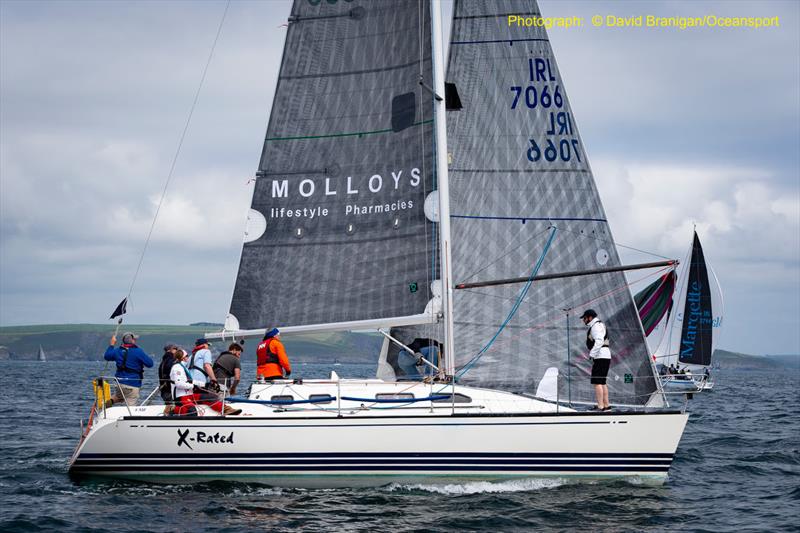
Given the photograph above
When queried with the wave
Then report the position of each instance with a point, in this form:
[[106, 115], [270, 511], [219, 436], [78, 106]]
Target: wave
[[482, 487]]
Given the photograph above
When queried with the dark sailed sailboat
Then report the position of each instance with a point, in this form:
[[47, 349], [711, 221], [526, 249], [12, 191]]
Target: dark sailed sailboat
[[683, 320]]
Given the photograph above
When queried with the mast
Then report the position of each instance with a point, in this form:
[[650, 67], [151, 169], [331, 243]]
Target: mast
[[440, 120]]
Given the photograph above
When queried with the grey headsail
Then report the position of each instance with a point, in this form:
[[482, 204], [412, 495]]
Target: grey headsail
[[518, 167], [337, 230]]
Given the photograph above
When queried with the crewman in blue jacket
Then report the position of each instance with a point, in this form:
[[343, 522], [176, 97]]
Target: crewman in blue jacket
[[131, 362]]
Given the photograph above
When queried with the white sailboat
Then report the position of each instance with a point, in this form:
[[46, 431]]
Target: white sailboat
[[358, 223], [41, 356], [683, 317]]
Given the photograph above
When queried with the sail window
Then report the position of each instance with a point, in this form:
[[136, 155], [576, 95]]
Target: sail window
[[458, 398], [282, 398], [403, 110], [394, 396], [320, 398], [452, 101], [357, 13]]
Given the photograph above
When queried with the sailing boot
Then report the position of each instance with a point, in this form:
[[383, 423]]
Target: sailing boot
[[231, 411]]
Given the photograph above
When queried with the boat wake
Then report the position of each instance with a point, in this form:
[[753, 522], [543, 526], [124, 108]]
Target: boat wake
[[482, 487]]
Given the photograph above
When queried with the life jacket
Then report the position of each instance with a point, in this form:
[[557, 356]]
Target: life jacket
[[186, 406], [265, 355], [185, 371], [590, 340], [164, 368], [124, 366], [195, 367], [172, 381], [220, 370]]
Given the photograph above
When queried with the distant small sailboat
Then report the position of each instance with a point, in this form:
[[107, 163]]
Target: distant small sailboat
[[42, 357], [682, 317]]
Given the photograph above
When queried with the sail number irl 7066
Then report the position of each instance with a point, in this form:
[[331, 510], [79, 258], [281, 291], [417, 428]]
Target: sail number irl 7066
[[559, 142]]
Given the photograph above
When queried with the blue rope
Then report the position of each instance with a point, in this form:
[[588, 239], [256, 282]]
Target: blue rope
[[398, 400], [236, 399], [514, 309], [327, 399]]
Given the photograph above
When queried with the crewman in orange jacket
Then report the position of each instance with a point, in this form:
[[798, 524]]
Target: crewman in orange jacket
[[271, 357]]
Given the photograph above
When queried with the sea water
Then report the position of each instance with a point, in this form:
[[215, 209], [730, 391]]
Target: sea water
[[737, 469]]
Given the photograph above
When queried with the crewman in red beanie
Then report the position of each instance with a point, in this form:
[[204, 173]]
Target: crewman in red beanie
[[271, 357]]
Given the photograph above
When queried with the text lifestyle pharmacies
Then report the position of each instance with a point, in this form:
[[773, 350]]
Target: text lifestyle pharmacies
[[307, 188]]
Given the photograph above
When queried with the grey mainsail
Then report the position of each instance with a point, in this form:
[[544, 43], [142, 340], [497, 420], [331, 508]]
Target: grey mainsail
[[337, 230], [517, 167]]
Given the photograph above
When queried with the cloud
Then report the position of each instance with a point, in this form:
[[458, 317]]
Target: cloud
[[750, 230], [681, 127], [737, 209], [93, 98]]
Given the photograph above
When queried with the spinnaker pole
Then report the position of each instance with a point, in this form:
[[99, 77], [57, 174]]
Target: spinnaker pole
[[574, 273]]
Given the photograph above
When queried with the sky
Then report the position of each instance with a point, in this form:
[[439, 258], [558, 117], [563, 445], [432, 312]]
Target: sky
[[682, 127]]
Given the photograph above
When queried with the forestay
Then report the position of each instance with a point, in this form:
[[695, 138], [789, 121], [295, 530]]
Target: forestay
[[517, 167], [337, 231]]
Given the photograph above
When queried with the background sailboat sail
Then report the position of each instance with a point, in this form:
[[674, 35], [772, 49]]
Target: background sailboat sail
[[337, 230], [691, 331], [517, 166], [696, 343]]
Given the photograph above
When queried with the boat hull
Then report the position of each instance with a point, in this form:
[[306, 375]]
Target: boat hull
[[371, 451], [689, 385]]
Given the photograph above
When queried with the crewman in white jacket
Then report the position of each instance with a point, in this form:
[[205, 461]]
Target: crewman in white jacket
[[182, 386], [600, 354]]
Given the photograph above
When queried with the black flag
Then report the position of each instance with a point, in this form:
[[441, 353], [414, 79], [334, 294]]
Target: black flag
[[120, 310]]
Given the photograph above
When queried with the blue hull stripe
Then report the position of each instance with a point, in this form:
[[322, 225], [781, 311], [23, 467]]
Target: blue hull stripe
[[430, 468], [284, 462], [322, 462], [325, 455]]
